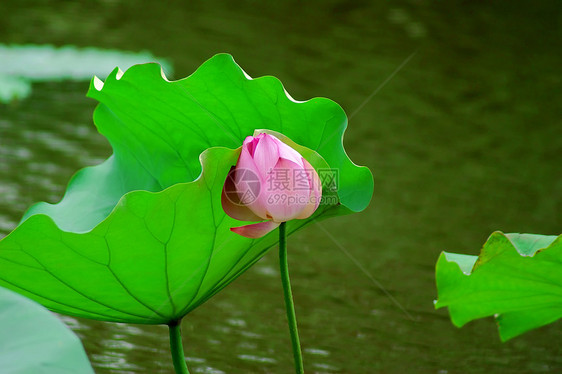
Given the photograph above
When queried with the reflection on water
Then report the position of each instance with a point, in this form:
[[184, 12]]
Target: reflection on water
[[465, 139]]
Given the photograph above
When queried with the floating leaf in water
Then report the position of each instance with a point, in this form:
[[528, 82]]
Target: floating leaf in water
[[33, 340], [516, 278], [139, 238], [22, 64], [13, 88]]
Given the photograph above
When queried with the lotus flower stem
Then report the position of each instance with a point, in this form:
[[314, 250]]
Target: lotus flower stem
[[289, 305], [177, 348]]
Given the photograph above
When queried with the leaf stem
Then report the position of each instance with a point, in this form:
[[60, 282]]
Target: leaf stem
[[289, 305], [176, 347]]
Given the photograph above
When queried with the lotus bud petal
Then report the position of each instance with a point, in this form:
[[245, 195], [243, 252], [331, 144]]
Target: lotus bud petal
[[271, 181]]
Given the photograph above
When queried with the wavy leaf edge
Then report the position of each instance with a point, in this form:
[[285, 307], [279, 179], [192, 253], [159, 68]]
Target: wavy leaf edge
[[117, 74], [128, 195], [451, 257], [451, 265]]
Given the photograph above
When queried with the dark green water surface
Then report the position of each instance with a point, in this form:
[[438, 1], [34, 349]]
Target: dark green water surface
[[465, 139]]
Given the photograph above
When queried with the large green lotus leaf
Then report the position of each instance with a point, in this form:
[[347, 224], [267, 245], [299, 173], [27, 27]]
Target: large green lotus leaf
[[33, 340], [158, 129], [517, 278], [156, 257], [135, 239]]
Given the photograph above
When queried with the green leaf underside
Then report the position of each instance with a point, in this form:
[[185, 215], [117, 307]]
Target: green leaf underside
[[517, 278], [33, 340], [135, 239]]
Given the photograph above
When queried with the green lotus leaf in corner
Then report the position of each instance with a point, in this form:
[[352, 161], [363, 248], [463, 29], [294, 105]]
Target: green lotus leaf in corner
[[33, 340], [517, 278], [142, 237]]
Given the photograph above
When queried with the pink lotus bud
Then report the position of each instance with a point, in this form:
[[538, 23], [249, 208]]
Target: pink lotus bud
[[271, 181]]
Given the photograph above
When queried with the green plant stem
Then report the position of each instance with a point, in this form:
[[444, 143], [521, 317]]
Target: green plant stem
[[176, 347], [289, 305]]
